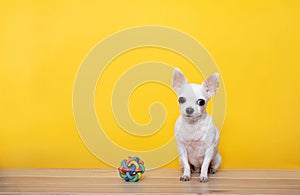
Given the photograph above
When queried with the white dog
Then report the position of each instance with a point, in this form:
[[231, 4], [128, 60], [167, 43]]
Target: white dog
[[196, 135]]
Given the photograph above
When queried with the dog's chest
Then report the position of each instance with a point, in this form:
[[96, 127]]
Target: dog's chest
[[196, 152], [195, 145], [194, 139]]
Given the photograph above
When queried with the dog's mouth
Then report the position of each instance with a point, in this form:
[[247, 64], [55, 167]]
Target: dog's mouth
[[191, 116]]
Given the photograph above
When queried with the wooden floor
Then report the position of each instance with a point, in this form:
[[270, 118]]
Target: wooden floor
[[162, 181]]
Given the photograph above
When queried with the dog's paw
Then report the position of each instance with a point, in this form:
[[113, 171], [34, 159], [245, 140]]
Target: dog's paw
[[212, 171], [203, 179], [184, 178]]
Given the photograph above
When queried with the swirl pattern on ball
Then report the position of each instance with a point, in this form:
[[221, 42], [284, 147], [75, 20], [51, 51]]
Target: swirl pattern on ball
[[131, 169]]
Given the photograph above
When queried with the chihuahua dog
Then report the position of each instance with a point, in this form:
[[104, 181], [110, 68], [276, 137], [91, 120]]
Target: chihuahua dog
[[196, 135]]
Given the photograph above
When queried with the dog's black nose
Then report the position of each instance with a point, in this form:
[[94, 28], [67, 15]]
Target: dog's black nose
[[189, 110]]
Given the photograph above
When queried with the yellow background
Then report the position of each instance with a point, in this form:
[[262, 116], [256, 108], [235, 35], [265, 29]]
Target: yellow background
[[255, 44]]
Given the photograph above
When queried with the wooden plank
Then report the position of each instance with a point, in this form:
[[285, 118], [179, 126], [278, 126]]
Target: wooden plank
[[164, 173], [72, 181]]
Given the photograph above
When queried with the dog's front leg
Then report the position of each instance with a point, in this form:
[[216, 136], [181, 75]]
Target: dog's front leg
[[204, 167], [183, 157]]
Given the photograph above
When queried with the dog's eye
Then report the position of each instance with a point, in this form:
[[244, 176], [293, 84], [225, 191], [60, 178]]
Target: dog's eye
[[181, 100], [200, 102]]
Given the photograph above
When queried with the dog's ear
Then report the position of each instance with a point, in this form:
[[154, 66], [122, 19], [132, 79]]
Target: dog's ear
[[178, 79], [211, 84]]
